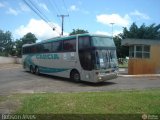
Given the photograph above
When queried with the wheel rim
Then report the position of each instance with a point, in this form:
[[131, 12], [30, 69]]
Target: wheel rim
[[31, 69], [76, 77], [37, 70]]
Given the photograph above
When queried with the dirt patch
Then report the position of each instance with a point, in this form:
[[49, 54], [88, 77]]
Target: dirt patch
[[9, 106], [9, 65]]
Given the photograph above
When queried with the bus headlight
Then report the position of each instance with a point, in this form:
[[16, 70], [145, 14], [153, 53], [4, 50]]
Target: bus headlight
[[99, 78]]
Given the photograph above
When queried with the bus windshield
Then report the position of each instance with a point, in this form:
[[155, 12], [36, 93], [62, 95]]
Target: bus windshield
[[102, 42], [104, 52], [105, 59]]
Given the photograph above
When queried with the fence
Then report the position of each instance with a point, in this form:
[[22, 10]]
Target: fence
[[4, 60]]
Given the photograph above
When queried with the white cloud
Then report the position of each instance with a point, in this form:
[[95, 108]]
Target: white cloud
[[44, 6], [73, 8], [103, 33], [140, 15], [114, 18], [38, 27], [116, 32], [12, 11]]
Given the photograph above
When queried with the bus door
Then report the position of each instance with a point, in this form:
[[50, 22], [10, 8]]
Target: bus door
[[85, 57]]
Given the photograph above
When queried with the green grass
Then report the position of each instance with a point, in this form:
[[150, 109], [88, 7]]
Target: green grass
[[2, 98], [92, 102], [125, 65], [97, 103]]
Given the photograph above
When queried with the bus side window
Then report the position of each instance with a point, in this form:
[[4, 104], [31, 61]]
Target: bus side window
[[47, 47], [84, 42], [33, 49], [23, 50], [39, 48], [57, 46], [69, 45]]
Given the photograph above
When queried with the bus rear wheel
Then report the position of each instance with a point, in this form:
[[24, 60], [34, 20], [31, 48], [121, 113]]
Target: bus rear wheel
[[37, 71], [75, 76], [31, 69]]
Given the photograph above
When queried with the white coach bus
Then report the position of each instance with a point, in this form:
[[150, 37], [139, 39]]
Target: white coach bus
[[86, 57]]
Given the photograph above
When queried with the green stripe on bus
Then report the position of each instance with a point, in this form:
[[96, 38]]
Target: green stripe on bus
[[42, 69], [51, 70]]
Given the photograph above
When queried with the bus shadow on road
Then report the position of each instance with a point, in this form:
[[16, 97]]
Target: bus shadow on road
[[105, 83], [81, 83]]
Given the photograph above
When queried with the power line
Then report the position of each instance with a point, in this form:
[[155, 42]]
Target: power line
[[67, 13], [65, 7], [33, 7], [55, 8], [62, 16]]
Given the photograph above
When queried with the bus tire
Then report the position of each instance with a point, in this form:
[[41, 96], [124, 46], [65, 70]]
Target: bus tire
[[36, 70], [75, 76], [31, 69]]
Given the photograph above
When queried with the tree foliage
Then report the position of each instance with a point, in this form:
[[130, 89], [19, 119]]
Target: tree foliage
[[78, 31], [143, 32], [26, 39], [122, 51], [6, 43], [10, 47]]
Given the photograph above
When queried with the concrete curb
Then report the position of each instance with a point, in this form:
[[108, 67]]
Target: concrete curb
[[141, 75]]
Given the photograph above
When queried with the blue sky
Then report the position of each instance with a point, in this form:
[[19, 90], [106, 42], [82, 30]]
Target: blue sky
[[92, 15]]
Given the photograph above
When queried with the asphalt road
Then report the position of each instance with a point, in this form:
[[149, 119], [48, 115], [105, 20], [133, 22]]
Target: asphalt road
[[14, 79]]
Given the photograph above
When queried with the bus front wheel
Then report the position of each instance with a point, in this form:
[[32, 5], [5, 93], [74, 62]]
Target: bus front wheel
[[75, 76]]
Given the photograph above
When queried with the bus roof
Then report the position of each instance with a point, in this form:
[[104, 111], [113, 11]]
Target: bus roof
[[65, 38]]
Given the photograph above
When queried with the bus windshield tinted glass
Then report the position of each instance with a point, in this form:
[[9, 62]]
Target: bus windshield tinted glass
[[102, 42], [105, 59]]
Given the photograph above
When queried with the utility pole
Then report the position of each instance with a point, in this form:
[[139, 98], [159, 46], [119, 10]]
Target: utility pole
[[62, 16]]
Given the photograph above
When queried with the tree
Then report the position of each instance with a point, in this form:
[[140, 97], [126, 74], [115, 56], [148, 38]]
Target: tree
[[122, 51], [26, 39], [78, 31], [143, 32], [29, 38], [6, 43], [18, 44]]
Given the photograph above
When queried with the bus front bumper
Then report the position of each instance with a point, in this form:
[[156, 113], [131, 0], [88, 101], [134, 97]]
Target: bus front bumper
[[105, 77]]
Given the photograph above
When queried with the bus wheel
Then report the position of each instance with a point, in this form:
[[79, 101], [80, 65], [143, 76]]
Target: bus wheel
[[75, 76], [31, 69], [37, 71]]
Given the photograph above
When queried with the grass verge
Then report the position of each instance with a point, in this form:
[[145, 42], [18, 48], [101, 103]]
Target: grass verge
[[125, 65], [91, 103], [2, 98]]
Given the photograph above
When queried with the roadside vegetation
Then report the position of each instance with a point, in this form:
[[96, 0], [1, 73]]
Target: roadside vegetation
[[2, 98], [11, 47], [115, 104], [123, 63]]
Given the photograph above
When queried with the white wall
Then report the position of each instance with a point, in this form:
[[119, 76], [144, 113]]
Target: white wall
[[18, 60], [4, 60]]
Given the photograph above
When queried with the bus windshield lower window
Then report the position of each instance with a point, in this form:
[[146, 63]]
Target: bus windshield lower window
[[105, 59]]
